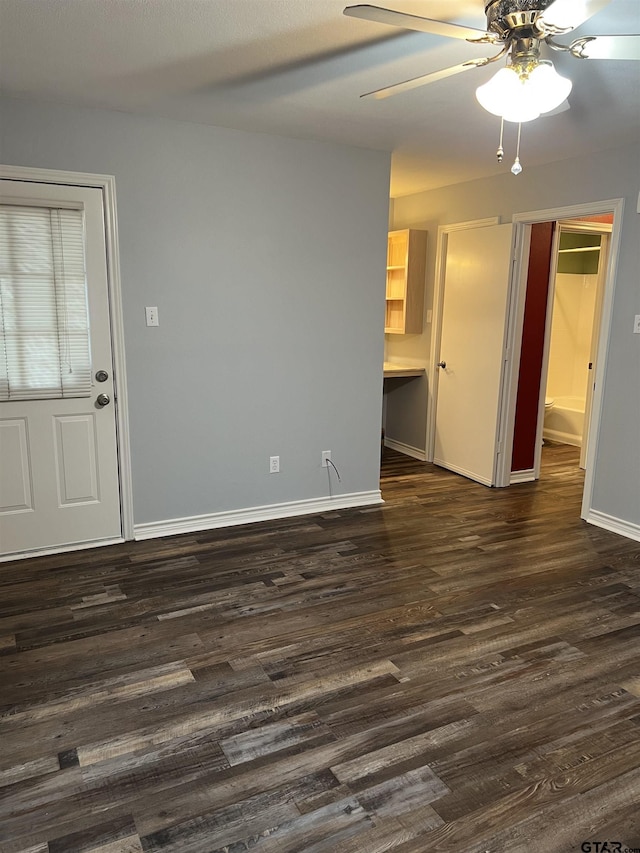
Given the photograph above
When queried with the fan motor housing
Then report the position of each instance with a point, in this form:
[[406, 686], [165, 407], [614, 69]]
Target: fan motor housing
[[507, 17]]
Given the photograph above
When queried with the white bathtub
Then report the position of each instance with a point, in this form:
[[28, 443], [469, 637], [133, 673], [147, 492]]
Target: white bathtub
[[564, 422]]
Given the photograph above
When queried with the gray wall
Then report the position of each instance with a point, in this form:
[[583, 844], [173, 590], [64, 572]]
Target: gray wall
[[265, 257], [609, 175]]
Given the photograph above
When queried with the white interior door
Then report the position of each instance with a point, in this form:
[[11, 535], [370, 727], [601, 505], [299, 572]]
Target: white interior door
[[59, 483], [472, 351]]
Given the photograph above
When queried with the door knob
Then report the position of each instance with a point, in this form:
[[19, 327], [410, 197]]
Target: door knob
[[103, 400], [442, 364]]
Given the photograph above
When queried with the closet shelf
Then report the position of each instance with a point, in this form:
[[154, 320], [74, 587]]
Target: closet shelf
[[579, 249]]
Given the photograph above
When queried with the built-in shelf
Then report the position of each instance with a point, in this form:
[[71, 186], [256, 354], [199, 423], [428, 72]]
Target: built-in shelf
[[406, 265], [579, 249]]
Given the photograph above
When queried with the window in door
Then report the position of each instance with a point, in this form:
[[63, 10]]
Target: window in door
[[44, 323]]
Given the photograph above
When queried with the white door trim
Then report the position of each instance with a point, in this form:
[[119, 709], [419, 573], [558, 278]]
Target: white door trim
[[523, 222], [436, 333], [605, 239], [106, 183]]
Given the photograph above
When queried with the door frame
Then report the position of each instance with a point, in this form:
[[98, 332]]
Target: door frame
[[523, 223], [105, 183], [605, 240], [436, 328]]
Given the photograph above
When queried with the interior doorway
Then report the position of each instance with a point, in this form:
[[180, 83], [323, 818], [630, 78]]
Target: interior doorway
[[560, 334], [575, 297], [603, 218]]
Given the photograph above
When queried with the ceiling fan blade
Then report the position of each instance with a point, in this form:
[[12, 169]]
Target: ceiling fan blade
[[424, 79], [608, 47], [569, 14], [415, 22]]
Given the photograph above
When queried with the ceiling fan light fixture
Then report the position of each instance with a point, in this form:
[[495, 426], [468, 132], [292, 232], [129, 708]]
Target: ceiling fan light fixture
[[520, 93], [548, 88], [505, 95]]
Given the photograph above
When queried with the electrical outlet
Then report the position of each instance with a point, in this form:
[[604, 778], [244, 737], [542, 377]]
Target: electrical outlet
[[274, 464], [326, 454]]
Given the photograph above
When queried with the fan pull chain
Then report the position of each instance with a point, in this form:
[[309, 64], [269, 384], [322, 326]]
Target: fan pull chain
[[517, 168], [500, 151]]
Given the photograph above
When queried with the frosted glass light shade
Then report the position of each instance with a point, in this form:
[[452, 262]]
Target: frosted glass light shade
[[548, 87], [504, 95], [518, 97]]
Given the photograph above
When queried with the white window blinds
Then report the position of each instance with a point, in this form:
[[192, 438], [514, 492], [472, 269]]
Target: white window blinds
[[44, 323]]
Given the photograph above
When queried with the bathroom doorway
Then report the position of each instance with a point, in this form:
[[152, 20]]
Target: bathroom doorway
[[538, 236], [575, 306]]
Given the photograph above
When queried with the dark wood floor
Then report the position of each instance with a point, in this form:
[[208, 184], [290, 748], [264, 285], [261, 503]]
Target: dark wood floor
[[458, 670]]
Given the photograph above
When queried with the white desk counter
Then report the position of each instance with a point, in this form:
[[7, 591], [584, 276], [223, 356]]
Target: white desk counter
[[399, 370]]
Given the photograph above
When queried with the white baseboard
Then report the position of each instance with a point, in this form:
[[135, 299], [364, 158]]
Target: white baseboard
[[407, 449], [463, 472], [59, 549], [526, 476], [615, 525], [563, 437], [231, 518]]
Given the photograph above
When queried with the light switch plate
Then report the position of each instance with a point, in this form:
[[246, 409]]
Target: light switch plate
[[636, 325], [152, 316]]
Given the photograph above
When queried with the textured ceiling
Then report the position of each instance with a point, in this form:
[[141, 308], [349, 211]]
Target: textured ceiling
[[297, 68]]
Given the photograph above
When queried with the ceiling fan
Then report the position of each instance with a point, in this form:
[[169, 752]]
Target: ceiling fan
[[518, 27], [527, 86]]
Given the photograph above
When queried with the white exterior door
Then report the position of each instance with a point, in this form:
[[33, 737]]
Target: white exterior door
[[59, 483], [472, 351]]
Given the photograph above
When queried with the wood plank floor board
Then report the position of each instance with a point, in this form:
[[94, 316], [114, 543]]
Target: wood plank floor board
[[456, 670]]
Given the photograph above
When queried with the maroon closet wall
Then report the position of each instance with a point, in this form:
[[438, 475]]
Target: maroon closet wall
[[530, 375]]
